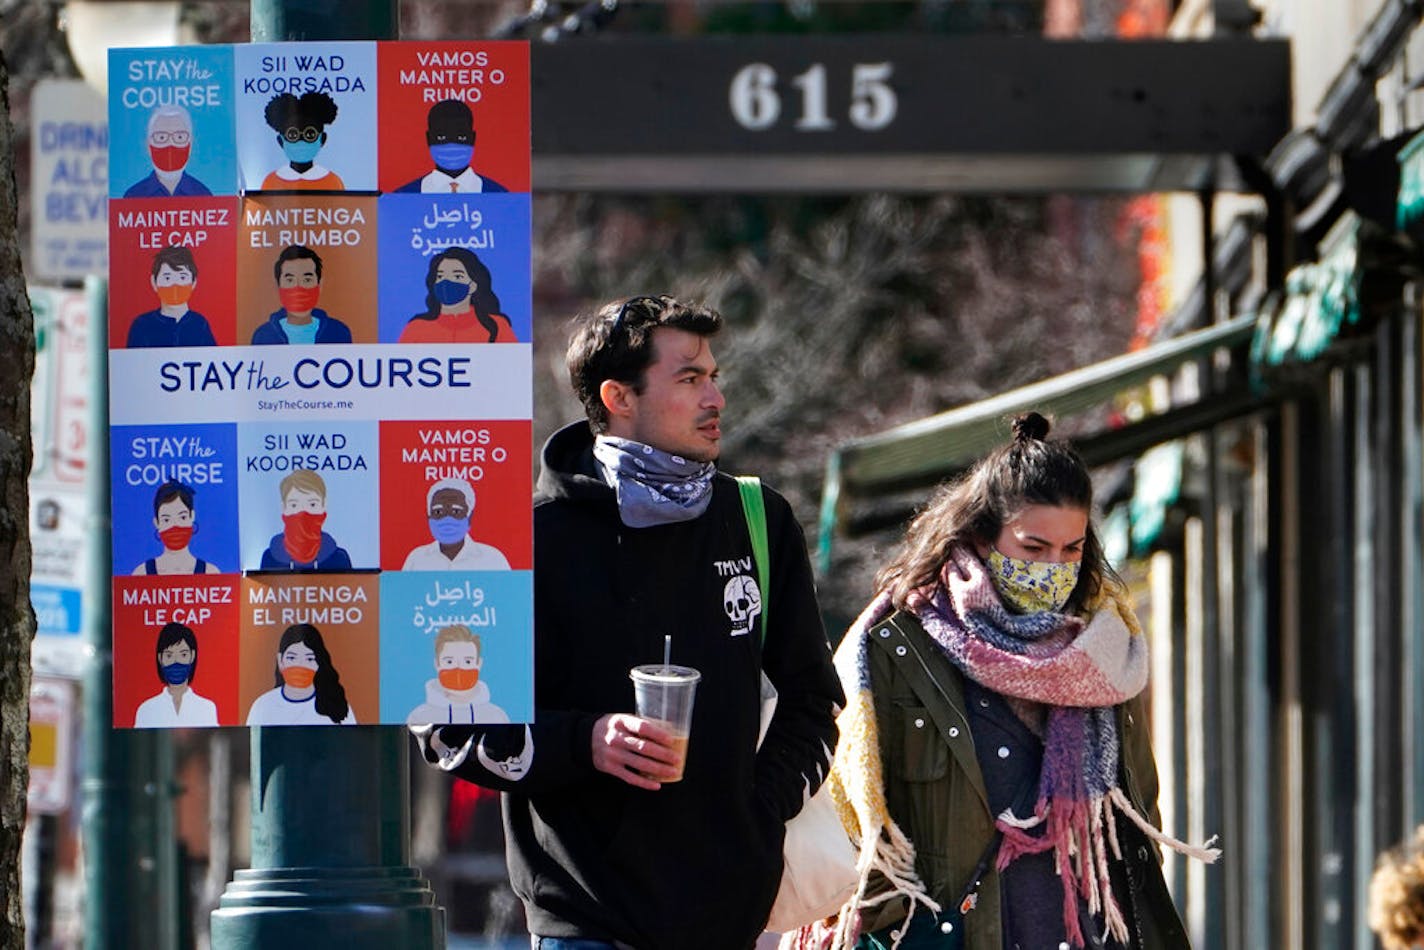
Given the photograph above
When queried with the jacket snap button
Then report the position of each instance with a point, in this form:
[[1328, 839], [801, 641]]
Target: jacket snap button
[[1003, 752], [900, 651], [953, 731], [983, 704], [1142, 854], [884, 632], [919, 723], [946, 927]]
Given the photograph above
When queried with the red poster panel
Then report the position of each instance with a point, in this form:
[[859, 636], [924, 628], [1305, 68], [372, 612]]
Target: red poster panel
[[175, 637], [488, 460], [172, 271], [454, 117]]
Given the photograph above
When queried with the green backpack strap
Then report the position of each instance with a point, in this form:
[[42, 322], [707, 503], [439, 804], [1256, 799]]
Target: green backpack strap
[[754, 508]]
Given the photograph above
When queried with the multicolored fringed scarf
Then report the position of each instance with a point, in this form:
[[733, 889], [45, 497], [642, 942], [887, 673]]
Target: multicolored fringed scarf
[[1078, 668]]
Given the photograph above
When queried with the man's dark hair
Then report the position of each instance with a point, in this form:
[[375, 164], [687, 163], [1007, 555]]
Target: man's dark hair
[[617, 343], [295, 252], [176, 258]]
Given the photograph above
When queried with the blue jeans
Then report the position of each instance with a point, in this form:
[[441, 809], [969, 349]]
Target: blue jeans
[[569, 943]]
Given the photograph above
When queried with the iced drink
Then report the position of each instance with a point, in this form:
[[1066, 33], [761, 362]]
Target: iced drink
[[664, 693], [679, 742]]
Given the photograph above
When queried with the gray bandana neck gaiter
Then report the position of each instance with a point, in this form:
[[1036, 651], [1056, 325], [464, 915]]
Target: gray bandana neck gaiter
[[653, 487]]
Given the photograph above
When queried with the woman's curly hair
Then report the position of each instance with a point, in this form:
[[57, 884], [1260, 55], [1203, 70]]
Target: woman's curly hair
[[1397, 896]]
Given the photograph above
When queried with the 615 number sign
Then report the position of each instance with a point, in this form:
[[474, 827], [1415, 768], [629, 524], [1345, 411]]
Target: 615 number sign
[[756, 103]]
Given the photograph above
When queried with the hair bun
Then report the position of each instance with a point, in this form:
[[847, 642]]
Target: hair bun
[[1030, 425]]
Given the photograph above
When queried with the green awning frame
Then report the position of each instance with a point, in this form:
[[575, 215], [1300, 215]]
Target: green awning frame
[[920, 453]]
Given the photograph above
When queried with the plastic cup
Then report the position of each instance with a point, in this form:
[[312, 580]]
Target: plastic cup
[[664, 694]]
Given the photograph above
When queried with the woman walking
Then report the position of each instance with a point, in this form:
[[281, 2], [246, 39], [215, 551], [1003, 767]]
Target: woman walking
[[994, 759]]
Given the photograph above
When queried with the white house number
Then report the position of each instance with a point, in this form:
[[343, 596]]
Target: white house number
[[756, 104]]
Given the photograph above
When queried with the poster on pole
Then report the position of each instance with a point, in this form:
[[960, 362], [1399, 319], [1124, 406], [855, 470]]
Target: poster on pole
[[321, 384]]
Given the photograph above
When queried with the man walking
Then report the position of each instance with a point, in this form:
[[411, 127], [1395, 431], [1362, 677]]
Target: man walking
[[638, 537]]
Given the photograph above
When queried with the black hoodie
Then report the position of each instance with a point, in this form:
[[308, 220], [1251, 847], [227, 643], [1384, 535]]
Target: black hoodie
[[697, 863]]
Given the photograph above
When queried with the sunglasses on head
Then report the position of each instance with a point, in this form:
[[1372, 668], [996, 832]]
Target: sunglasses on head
[[628, 304]]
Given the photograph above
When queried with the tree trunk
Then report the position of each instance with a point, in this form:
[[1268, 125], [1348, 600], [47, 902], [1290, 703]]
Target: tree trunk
[[17, 620]]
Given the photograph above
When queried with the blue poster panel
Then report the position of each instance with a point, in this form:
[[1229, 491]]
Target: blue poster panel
[[455, 269], [175, 491], [306, 491], [171, 131], [306, 116], [457, 647]]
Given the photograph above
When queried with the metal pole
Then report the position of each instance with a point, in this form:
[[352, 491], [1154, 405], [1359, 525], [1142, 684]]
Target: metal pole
[[130, 866], [330, 806], [275, 21], [1213, 811]]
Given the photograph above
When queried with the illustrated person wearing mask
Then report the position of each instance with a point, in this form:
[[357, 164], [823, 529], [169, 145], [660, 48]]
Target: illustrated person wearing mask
[[170, 145], [300, 124], [302, 545], [174, 278], [994, 747], [460, 304], [306, 688], [450, 135], [637, 536], [176, 657], [457, 694], [174, 523], [449, 504], [298, 275]]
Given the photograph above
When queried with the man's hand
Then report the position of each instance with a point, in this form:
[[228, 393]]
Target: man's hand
[[638, 751]]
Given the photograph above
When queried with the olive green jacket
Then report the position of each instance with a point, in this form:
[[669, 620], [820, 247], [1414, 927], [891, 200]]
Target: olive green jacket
[[935, 791]]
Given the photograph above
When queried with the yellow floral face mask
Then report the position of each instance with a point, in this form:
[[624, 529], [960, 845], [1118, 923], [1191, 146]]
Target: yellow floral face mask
[[1032, 586]]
